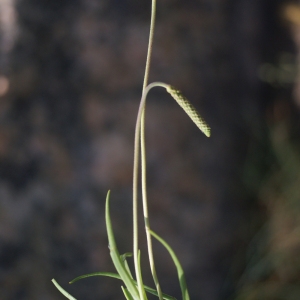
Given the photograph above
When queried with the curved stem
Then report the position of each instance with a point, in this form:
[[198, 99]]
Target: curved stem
[[143, 159], [140, 130]]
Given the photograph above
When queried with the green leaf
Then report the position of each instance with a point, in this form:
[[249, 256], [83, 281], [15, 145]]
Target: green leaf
[[117, 276], [115, 256], [126, 293], [65, 293], [180, 272], [127, 267], [107, 274], [140, 274], [125, 255]]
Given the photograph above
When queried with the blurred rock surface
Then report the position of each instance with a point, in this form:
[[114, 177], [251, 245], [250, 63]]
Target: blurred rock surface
[[66, 136]]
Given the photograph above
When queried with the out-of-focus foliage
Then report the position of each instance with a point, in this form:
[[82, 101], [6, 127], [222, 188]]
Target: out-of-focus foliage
[[273, 270], [273, 267]]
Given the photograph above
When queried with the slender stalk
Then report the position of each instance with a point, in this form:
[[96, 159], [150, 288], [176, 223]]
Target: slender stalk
[[150, 44], [143, 156], [135, 202], [140, 128], [145, 203]]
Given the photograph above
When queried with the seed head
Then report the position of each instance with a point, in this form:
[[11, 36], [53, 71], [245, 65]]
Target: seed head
[[189, 109]]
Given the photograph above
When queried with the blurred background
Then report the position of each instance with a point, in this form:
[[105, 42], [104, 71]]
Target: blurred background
[[71, 75]]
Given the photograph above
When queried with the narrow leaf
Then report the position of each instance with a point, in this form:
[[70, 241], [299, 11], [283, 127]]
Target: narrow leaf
[[65, 293], [180, 272], [115, 256], [125, 255], [126, 293], [117, 276], [140, 274], [107, 274]]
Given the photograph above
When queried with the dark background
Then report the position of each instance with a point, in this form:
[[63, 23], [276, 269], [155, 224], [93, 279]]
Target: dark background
[[71, 80]]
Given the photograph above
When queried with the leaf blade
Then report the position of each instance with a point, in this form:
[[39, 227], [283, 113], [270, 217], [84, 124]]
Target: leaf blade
[[64, 292], [180, 272], [115, 256]]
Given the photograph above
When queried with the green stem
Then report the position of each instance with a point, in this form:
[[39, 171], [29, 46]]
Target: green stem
[[139, 137], [143, 157], [138, 130], [150, 44]]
